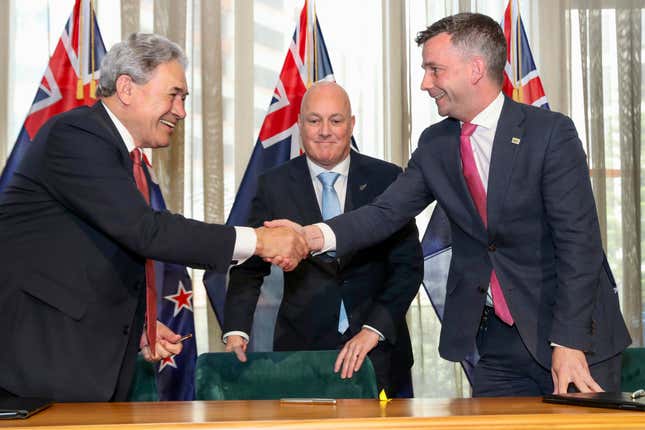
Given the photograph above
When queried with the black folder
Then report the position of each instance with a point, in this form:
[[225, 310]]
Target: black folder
[[21, 407], [598, 400]]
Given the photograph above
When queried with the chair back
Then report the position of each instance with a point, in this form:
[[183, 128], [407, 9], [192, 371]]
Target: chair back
[[633, 369], [276, 375], [144, 384]]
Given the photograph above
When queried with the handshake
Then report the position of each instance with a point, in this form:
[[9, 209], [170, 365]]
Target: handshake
[[284, 243]]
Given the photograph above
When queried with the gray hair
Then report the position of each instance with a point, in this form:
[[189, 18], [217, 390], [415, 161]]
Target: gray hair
[[137, 58], [473, 33]]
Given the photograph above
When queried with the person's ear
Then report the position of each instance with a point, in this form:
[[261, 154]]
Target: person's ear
[[124, 89], [478, 69]]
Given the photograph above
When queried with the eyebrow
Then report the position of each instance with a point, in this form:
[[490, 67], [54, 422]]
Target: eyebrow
[[180, 90]]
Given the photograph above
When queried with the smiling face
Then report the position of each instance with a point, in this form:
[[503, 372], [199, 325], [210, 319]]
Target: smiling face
[[449, 78], [326, 124], [154, 108]]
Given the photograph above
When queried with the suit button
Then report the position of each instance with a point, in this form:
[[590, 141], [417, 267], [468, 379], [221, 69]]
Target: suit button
[[492, 247], [126, 329]]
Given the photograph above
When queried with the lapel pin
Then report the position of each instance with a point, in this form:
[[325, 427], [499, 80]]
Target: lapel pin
[[362, 187], [515, 140]]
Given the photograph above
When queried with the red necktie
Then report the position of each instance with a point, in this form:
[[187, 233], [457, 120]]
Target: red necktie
[[151, 289], [478, 193]]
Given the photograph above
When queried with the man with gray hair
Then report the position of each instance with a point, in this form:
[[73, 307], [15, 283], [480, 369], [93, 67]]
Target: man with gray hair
[[77, 236]]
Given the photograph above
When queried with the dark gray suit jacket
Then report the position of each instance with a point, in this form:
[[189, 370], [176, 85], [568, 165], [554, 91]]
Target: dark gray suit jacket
[[376, 284], [74, 235], [542, 239]]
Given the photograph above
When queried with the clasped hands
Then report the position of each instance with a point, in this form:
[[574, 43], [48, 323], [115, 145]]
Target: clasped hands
[[285, 243]]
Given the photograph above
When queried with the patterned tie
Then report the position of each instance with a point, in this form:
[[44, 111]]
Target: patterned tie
[[331, 208], [151, 290], [478, 193]]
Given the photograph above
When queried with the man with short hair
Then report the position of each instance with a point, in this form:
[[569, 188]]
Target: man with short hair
[[528, 281], [76, 232], [356, 303]]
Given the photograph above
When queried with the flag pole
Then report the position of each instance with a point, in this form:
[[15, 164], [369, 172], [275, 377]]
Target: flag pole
[[79, 81], [518, 52], [314, 33], [92, 53]]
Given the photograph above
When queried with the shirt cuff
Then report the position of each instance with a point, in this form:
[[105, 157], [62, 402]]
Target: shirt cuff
[[245, 243], [380, 335], [329, 238], [235, 333]]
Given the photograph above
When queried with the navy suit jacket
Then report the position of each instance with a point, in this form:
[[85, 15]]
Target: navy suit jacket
[[543, 237], [376, 284], [74, 235]]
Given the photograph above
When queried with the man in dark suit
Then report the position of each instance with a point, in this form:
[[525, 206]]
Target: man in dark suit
[[528, 279], [75, 233], [373, 287]]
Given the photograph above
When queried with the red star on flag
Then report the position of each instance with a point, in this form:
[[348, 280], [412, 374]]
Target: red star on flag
[[182, 299], [168, 361]]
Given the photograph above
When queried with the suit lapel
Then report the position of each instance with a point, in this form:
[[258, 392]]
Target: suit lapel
[[505, 147], [454, 171], [107, 127], [302, 191], [357, 194]]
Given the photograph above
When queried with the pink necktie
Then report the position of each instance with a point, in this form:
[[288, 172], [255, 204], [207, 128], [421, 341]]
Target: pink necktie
[[478, 193], [151, 289]]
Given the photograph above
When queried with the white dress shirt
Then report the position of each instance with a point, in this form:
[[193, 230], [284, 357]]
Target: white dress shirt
[[245, 238]]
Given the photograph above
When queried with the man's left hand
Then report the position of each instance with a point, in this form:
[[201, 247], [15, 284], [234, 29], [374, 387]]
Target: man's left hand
[[570, 365], [351, 357], [167, 344]]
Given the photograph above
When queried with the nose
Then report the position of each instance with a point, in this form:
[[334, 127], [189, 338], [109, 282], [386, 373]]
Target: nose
[[178, 108], [325, 130], [427, 82]]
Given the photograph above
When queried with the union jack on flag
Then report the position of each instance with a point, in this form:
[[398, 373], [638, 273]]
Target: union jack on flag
[[70, 81], [521, 79], [307, 61]]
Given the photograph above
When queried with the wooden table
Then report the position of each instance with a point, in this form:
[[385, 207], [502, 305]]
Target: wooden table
[[506, 413]]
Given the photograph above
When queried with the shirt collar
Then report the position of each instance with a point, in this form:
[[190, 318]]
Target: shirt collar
[[342, 168], [125, 134], [489, 117]]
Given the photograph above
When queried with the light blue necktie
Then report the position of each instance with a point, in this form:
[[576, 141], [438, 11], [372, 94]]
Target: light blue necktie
[[331, 208]]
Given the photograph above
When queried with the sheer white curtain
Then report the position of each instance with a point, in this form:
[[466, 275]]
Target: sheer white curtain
[[607, 84]]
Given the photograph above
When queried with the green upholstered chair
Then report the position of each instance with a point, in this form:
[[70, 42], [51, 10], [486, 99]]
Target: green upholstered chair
[[633, 369], [276, 375], [144, 385]]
